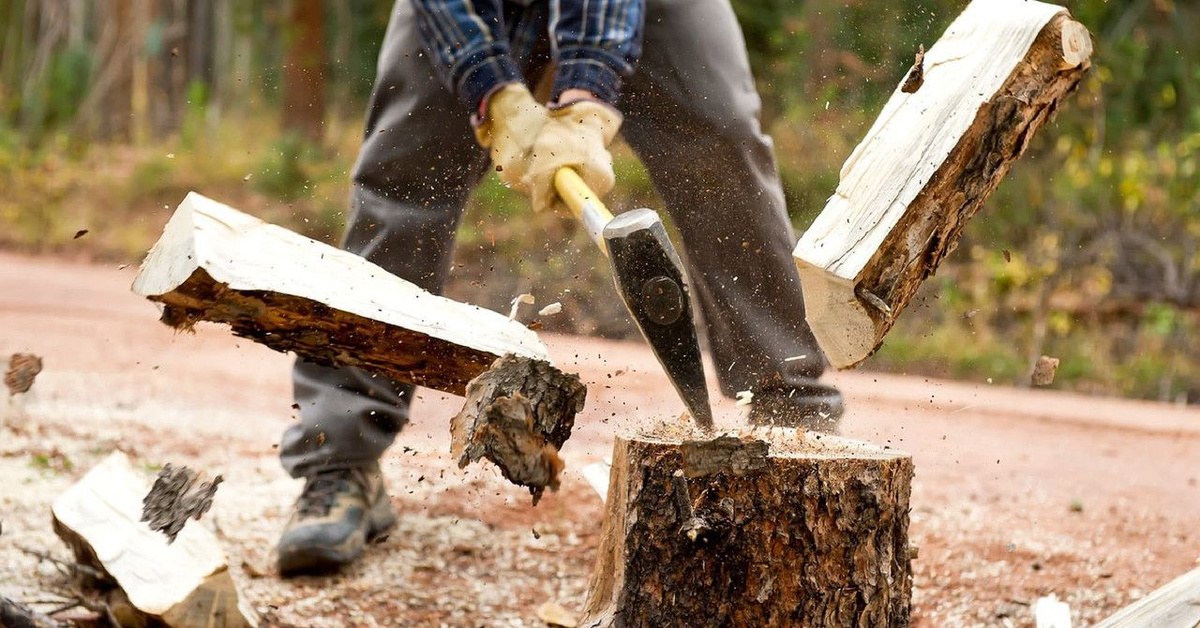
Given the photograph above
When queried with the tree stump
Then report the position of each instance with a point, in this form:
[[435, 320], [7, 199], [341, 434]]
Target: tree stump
[[770, 527]]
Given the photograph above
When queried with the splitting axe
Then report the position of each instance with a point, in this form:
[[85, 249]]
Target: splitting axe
[[649, 277]]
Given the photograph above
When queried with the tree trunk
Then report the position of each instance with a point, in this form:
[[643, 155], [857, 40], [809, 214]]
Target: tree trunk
[[768, 528], [304, 70], [943, 142]]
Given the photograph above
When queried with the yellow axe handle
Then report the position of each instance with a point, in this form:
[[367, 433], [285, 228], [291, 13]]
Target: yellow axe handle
[[584, 203]]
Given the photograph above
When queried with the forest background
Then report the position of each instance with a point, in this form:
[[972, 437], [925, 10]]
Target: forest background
[[112, 110]]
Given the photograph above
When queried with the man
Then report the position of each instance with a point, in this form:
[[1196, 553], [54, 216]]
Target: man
[[452, 88]]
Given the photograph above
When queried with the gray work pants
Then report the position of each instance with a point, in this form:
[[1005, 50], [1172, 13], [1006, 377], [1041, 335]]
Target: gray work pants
[[691, 115]]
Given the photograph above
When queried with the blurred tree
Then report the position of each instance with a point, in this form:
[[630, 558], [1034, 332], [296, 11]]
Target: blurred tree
[[304, 70]]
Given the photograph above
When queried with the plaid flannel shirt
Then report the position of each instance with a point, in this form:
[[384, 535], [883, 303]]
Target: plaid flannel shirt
[[478, 45]]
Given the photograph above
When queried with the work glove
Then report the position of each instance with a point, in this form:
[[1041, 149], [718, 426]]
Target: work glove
[[512, 121], [575, 135]]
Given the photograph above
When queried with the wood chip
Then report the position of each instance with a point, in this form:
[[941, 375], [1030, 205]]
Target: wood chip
[[1044, 370], [22, 369], [551, 310], [745, 398], [916, 76], [526, 299], [724, 454]]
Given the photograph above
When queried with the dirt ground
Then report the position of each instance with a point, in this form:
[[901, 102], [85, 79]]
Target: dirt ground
[[1018, 493]]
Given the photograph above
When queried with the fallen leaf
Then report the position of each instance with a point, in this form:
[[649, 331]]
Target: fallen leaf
[[1007, 255], [80, 234]]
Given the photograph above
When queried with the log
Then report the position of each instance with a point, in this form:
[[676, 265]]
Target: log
[[1175, 605], [766, 527], [185, 583], [929, 162], [291, 293]]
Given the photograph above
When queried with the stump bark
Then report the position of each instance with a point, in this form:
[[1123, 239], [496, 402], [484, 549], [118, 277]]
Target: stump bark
[[762, 528]]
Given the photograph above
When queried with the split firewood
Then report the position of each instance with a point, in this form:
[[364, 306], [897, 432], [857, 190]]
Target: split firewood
[[961, 117], [762, 528], [291, 293], [185, 583], [518, 414], [178, 494], [22, 369]]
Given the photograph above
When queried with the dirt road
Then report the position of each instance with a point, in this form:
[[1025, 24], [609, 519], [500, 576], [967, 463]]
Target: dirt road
[[1018, 493]]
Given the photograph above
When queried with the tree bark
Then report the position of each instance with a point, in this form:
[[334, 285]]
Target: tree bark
[[766, 528], [518, 414], [930, 161]]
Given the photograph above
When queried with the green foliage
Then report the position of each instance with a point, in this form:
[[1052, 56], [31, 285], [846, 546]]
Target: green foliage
[[282, 172]]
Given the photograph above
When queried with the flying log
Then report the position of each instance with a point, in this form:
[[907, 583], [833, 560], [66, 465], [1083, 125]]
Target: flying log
[[960, 117], [292, 293]]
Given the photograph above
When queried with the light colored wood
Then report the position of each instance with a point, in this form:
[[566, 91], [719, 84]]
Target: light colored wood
[[766, 527], [186, 583], [928, 163], [1175, 605], [292, 293]]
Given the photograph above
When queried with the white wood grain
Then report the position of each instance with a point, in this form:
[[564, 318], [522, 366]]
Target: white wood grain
[[915, 132], [246, 253]]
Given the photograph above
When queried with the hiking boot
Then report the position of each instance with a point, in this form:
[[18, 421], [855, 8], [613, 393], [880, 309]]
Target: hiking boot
[[803, 402], [336, 514]]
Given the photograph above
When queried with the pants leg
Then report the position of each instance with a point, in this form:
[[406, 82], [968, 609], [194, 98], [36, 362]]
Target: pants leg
[[415, 172], [691, 114]]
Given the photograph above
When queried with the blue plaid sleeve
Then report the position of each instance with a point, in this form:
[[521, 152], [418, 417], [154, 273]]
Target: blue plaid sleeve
[[467, 43], [595, 43]]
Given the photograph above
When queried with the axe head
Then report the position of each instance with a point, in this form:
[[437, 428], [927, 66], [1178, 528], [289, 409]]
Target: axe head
[[649, 278]]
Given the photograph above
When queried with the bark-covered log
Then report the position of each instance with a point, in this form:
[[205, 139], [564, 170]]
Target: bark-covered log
[[518, 414], [791, 529], [929, 162], [291, 293], [185, 583]]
